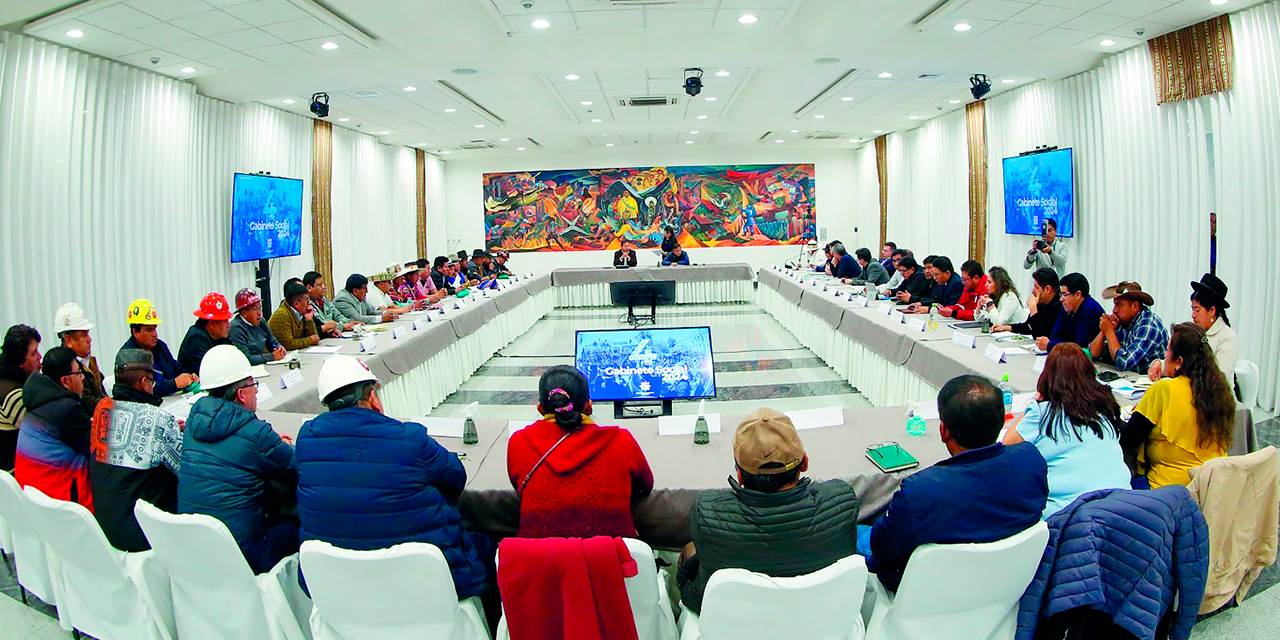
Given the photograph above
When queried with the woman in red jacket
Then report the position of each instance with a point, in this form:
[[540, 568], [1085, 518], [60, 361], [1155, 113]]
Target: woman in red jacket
[[575, 479]]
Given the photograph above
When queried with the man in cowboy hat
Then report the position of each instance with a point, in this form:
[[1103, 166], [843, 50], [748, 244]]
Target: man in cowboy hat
[[1209, 311], [250, 333], [1132, 336]]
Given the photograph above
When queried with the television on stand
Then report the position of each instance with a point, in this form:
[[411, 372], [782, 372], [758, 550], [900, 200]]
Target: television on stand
[[1039, 186], [651, 368], [266, 223]]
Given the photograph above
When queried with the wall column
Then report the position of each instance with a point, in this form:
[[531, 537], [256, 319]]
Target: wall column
[[976, 117], [421, 157], [322, 200], [882, 174]]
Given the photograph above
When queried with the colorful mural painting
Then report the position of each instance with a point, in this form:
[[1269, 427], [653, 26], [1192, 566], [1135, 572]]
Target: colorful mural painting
[[596, 209]]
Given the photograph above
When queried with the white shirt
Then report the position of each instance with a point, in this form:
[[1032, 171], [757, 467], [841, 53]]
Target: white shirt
[[377, 299], [1226, 347], [1008, 310], [895, 281]]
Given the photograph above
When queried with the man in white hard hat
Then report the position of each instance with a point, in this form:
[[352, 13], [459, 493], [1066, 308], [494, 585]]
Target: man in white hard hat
[[72, 326], [229, 459]]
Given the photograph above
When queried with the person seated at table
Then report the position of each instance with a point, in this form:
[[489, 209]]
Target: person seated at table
[[230, 458], [464, 262], [212, 328], [626, 256], [72, 327], [482, 270], [352, 302], [457, 279], [827, 263], [250, 333], [293, 323], [1000, 304], [772, 520], [984, 492], [886, 255], [676, 257], [143, 321], [1185, 419], [669, 240], [137, 452], [500, 258], [914, 286], [946, 291], [1132, 336], [423, 284], [19, 358], [1075, 423], [975, 287], [1043, 306], [53, 441], [1209, 312], [328, 319], [843, 265], [440, 275], [895, 276], [1079, 318], [381, 296], [574, 479], [403, 292], [368, 481], [872, 272]]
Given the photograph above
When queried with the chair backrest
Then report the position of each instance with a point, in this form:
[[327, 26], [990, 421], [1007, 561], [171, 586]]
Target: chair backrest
[[939, 596], [642, 590], [214, 591], [6, 505], [823, 605], [30, 557], [401, 592], [1247, 379]]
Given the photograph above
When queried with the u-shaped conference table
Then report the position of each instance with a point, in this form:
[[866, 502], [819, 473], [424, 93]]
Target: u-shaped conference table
[[890, 361]]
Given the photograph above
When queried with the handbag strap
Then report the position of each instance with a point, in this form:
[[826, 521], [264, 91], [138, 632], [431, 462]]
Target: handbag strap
[[527, 476]]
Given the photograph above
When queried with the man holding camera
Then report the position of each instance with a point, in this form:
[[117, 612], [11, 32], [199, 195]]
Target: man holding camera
[[1047, 251]]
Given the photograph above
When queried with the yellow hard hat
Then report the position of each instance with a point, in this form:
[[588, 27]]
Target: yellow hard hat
[[141, 311]]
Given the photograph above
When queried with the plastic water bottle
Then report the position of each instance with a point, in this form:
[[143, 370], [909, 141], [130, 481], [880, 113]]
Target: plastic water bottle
[[933, 318], [1006, 390], [701, 434], [469, 435], [915, 425]]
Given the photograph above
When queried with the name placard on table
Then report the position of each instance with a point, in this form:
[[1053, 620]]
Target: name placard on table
[[418, 324], [966, 340], [368, 343], [885, 308], [994, 353], [859, 301], [1038, 365], [897, 316], [290, 379], [915, 325], [398, 332]]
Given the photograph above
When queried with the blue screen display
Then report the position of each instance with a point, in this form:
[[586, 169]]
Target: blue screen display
[[1037, 187], [266, 217], [647, 364]]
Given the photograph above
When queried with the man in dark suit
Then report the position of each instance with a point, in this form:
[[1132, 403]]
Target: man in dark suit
[[842, 264], [626, 256], [914, 285]]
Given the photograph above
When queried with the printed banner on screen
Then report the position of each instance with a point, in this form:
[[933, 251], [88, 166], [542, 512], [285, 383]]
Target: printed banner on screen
[[597, 209]]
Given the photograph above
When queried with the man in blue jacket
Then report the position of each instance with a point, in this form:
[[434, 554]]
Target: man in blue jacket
[[230, 458], [843, 265], [143, 323], [367, 481], [984, 492], [1078, 320]]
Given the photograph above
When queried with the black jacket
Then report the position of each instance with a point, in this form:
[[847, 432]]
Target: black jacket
[[1041, 324], [166, 366], [917, 285], [630, 260], [785, 534], [847, 268], [195, 344], [944, 294], [441, 282], [669, 244], [64, 412]]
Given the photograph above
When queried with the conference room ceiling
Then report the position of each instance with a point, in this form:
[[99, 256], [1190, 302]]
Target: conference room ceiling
[[482, 78]]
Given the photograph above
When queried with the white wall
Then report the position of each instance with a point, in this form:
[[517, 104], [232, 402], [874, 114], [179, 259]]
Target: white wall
[[835, 196]]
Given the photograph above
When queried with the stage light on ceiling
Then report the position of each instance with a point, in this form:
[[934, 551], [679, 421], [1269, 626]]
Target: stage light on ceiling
[[446, 152], [778, 141], [571, 77], [819, 117], [693, 133], [539, 24], [688, 142], [795, 131], [1107, 43], [188, 69], [962, 26], [519, 148], [75, 33], [693, 82], [979, 86], [410, 89], [886, 74], [320, 104], [503, 139], [748, 18], [877, 131], [383, 133], [1217, 2], [329, 46]]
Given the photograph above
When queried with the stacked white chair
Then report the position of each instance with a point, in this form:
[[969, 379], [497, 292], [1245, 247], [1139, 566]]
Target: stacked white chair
[[29, 555], [959, 591], [215, 593], [744, 605], [1247, 379], [405, 591], [104, 592], [647, 592]]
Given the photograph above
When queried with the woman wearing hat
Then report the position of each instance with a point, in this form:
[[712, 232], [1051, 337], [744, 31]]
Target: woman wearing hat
[[1209, 311]]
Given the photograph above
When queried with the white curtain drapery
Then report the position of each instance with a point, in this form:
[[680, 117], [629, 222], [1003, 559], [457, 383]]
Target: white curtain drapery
[[928, 178], [375, 203]]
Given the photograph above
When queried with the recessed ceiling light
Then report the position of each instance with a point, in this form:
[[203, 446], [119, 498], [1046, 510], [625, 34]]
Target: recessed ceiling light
[[463, 71], [519, 148], [422, 144], [856, 140], [344, 119], [571, 77], [847, 99], [595, 120], [1217, 2], [329, 46], [886, 74], [877, 131], [446, 151], [1008, 81], [962, 26], [722, 73], [608, 144], [1107, 43], [503, 139], [410, 88], [188, 69], [914, 118], [826, 60], [383, 133], [778, 141], [450, 110], [702, 117], [795, 131], [586, 103], [539, 24], [688, 142], [693, 133], [710, 98], [955, 102], [479, 126], [75, 33], [605, 135], [819, 116], [747, 18], [288, 100]]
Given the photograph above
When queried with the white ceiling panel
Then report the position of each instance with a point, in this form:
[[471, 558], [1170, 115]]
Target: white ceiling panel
[[280, 53], [166, 10], [232, 61], [117, 46], [990, 9], [264, 12], [161, 34], [246, 39], [210, 23], [1061, 37], [609, 20], [197, 49], [118, 18], [302, 29], [1015, 31], [680, 18], [1094, 22], [1045, 15], [1084, 5], [1133, 8], [1182, 14]]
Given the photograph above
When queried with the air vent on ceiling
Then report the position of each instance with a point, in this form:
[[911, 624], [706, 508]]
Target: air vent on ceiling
[[822, 135], [929, 76], [365, 93], [641, 3], [766, 136], [648, 101], [476, 145]]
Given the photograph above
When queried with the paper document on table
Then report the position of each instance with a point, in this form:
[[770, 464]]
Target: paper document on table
[[289, 357], [516, 425], [925, 410], [259, 371], [441, 427], [322, 350], [180, 410], [683, 425], [816, 418], [1021, 401]]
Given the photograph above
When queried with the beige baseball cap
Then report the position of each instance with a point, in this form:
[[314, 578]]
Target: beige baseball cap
[[767, 443]]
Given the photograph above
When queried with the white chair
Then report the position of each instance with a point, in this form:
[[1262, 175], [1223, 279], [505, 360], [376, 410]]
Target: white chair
[[744, 605], [215, 594], [402, 592], [959, 591], [647, 592], [1247, 379], [106, 593], [30, 555]]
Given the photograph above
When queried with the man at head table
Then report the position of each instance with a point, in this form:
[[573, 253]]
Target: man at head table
[[626, 256], [676, 257]]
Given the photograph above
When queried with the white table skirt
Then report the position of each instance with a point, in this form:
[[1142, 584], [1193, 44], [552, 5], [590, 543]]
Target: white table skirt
[[597, 294], [424, 387]]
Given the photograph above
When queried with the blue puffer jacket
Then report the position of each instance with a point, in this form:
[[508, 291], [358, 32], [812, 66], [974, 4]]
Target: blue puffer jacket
[[228, 455], [1126, 554], [367, 481]]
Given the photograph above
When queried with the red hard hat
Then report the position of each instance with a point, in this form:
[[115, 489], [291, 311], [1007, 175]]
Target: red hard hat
[[247, 298], [214, 307]]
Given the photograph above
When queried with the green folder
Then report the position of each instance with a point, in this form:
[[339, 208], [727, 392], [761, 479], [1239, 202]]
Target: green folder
[[891, 457]]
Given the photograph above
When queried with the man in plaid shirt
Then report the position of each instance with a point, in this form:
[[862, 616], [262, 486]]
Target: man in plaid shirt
[[1132, 336]]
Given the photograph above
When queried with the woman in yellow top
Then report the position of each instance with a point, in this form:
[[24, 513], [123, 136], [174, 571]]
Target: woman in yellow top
[[1185, 419]]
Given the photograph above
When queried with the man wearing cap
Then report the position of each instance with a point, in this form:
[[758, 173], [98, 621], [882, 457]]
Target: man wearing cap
[[212, 328], [293, 323], [72, 326], [328, 319], [500, 258], [353, 303], [230, 460], [368, 481], [143, 322], [984, 492], [770, 520], [53, 441], [379, 296], [137, 452], [250, 333], [1132, 336]]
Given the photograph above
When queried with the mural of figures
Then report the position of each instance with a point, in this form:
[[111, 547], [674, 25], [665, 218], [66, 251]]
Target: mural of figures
[[597, 209]]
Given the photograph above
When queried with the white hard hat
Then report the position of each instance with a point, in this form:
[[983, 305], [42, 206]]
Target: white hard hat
[[224, 365], [339, 371], [70, 317]]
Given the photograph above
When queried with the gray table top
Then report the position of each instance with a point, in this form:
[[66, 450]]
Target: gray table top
[[691, 273]]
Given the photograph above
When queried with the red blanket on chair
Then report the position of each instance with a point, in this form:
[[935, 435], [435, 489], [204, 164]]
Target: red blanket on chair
[[566, 588]]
